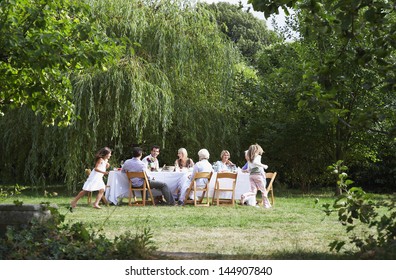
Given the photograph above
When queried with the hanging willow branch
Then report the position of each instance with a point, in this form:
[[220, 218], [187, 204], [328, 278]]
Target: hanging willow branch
[[172, 87]]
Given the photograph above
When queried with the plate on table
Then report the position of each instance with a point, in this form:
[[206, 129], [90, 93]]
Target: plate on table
[[169, 168]]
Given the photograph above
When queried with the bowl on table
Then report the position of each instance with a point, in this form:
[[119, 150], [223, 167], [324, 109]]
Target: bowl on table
[[169, 168]]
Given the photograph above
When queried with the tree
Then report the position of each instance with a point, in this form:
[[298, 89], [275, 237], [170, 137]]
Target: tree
[[348, 70], [42, 42], [296, 143], [171, 86], [247, 32]]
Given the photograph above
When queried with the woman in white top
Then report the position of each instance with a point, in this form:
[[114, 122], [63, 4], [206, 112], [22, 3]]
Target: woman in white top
[[203, 165], [225, 164]]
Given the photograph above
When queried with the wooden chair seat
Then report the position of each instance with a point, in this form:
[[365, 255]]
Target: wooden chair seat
[[199, 201], [219, 188], [143, 189]]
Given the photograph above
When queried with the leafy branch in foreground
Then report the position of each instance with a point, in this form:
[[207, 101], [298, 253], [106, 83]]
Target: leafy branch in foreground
[[9, 192], [360, 214], [42, 42]]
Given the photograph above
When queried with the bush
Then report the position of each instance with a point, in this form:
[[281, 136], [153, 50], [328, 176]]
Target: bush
[[373, 233], [56, 240]]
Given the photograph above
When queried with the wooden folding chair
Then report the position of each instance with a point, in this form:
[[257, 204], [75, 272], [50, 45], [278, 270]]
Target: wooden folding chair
[[89, 198], [216, 193], [271, 176], [198, 201], [143, 189]]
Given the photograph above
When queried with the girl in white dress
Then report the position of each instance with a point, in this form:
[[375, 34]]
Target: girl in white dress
[[95, 179]]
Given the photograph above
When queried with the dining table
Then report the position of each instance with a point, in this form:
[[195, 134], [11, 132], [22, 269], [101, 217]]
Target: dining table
[[119, 185]]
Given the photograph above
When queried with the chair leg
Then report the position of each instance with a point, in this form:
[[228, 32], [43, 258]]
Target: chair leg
[[195, 196], [143, 194], [89, 199], [130, 196], [272, 198], [104, 200], [187, 196], [151, 196]]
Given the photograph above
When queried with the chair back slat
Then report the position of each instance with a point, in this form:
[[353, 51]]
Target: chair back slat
[[143, 189]]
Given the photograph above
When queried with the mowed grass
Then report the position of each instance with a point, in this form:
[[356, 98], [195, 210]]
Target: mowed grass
[[295, 228]]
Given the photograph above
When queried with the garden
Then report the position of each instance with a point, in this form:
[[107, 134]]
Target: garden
[[76, 76]]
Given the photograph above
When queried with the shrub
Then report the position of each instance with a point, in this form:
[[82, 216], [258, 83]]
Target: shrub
[[373, 233], [56, 240]]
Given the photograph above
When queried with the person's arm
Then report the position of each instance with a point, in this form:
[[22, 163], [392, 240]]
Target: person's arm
[[125, 166], [177, 167], [195, 170], [245, 167], [216, 166], [145, 161], [147, 170], [156, 164], [257, 162]]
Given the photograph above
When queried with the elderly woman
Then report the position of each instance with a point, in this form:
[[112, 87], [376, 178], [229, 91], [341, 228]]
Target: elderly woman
[[224, 165], [203, 165], [183, 162]]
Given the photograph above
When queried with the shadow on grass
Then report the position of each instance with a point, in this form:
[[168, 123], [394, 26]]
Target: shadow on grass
[[277, 256]]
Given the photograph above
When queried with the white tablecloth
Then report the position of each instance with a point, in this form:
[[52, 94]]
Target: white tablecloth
[[119, 186]]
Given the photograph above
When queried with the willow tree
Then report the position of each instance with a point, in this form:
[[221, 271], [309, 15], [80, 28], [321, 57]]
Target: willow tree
[[193, 67], [170, 87]]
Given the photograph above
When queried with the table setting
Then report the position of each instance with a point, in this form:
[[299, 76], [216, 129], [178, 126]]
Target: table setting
[[119, 185]]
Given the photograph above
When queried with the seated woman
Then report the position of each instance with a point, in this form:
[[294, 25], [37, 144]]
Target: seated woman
[[203, 165], [224, 165], [183, 163], [245, 167]]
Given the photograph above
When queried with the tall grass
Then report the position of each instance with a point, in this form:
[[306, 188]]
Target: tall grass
[[295, 228]]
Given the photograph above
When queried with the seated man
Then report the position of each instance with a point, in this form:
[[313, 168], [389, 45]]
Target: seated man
[[136, 165], [151, 160]]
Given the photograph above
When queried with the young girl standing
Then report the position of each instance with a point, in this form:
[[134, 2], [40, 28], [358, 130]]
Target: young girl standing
[[256, 176], [95, 179]]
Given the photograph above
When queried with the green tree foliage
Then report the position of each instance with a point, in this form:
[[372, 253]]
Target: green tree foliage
[[297, 144], [249, 35], [41, 43], [171, 86], [347, 56], [247, 32]]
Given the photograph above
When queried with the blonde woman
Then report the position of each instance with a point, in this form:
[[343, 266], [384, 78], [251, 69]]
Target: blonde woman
[[225, 164], [183, 160]]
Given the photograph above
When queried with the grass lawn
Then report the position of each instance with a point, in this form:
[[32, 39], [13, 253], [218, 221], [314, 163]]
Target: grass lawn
[[295, 228]]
